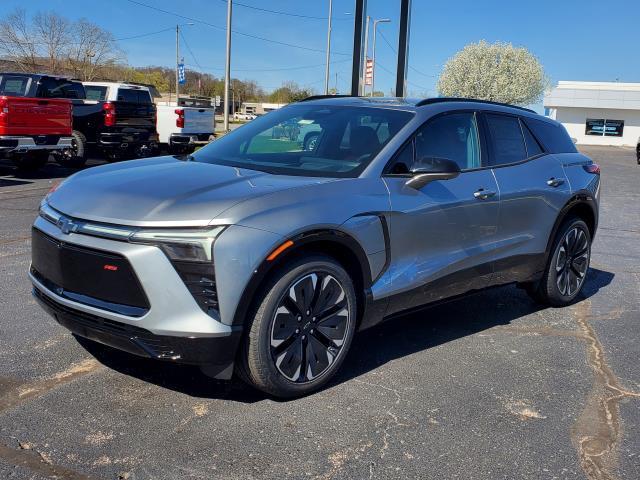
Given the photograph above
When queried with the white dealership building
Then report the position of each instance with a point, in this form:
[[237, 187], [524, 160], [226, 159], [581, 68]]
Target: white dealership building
[[597, 113]]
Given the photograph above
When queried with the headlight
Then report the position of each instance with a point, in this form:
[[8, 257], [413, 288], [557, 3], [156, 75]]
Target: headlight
[[191, 245]]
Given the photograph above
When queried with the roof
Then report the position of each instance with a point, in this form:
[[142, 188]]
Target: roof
[[609, 95], [413, 104]]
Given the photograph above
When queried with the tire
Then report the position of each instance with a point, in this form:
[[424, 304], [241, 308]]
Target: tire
[[310, 141], [31, 161], [565, 275], [78, 155], [289, 354]]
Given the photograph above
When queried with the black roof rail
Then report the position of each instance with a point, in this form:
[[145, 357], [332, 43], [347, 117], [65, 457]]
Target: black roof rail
[[320, 97], [431, 101]]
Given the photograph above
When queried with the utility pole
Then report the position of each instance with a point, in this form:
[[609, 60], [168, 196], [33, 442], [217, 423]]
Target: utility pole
[[373, 55], [366, 50], [326, 72], [177, 61], [227, 69]]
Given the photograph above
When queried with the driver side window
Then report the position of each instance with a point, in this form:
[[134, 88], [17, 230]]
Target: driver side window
[[452, 136]]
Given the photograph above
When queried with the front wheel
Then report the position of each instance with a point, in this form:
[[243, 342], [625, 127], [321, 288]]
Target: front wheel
[[567, 269], [302, 328]]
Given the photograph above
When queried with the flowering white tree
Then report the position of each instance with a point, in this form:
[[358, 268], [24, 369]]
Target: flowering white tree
[[498, 72]]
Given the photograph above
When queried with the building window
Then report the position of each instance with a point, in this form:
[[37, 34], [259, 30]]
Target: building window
[[604, 127]]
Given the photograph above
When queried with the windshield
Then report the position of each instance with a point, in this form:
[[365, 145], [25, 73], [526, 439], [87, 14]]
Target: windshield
[[308, 140]]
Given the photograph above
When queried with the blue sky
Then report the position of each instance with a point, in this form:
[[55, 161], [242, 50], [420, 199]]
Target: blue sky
[[574, 39]]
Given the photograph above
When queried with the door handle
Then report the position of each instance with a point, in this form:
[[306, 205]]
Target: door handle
[[555, 182], [483, 194]]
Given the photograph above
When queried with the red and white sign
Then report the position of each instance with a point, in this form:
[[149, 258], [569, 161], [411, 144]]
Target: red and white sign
[[368, 72]]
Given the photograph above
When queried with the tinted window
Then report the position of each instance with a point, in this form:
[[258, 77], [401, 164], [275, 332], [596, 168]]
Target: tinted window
[[14, 86], [349, 138], [505, 139], [533, 147], [96, 92], [553, 136], [454, 137], [60, 88], [127, 95], [144, 96], [402, 162]]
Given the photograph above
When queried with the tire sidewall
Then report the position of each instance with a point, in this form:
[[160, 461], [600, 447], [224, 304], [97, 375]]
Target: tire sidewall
[[555, 297], [260, 330]]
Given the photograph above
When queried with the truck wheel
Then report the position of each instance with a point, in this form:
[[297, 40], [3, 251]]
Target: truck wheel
[[77, 156], [302, 329], [31, 161]]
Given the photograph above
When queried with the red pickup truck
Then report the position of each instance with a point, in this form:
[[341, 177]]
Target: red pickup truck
[[31, 128]]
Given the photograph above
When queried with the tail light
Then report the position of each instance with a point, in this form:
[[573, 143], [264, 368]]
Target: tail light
[[180, 119], [109, 114], [4, 111], [592, 168]]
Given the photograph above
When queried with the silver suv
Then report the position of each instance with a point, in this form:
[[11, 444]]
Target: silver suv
[[262, 255]]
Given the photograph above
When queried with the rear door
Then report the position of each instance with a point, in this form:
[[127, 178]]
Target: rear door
[[533, 189], [442, 235]]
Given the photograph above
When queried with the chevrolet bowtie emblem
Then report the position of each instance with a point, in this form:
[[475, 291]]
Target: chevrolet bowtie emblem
[[67, 226]]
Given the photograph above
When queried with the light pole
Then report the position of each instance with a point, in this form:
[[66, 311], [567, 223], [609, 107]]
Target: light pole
[[326, 71], [227, 68], [178, 59], [373, 55], [366, 52]]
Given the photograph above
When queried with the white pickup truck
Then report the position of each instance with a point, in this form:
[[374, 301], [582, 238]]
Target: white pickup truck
[[182, 128]]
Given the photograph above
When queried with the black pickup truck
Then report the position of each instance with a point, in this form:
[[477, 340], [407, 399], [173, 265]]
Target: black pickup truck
[[114, 119]]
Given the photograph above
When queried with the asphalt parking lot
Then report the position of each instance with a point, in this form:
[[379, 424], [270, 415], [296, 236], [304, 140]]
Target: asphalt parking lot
[[487, 387]]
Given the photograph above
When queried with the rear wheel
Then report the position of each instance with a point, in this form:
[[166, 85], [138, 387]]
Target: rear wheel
[[77, 156], [567, 269], [302, 329]]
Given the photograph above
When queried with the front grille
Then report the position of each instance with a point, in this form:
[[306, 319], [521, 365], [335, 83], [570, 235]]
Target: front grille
[[93, 277], [200, 280]]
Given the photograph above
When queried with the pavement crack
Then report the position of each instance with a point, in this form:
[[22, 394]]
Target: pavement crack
[[597, 432], [382, 387]]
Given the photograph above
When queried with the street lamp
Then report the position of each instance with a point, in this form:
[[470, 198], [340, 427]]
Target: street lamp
[[373, 59], [178, 57]]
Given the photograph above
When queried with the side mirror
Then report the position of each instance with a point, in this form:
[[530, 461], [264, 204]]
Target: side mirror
[[428, 169]]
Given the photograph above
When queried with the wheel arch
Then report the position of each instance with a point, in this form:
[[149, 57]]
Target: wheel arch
[[334, 243], [581, 205]]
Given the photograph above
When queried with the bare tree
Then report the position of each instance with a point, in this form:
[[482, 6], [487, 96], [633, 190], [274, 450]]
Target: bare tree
[[51, 32], [91, 50], [17, 42]]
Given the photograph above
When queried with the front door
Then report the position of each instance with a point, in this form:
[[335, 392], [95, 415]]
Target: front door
[[441, 235]]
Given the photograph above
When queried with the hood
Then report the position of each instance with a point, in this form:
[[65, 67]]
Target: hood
[[164, 191]]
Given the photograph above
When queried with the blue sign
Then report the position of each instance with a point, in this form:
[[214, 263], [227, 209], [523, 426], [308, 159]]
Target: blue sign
[[181, 76]]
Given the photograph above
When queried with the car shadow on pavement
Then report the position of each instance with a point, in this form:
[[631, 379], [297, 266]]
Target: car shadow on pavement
[[395, 338]]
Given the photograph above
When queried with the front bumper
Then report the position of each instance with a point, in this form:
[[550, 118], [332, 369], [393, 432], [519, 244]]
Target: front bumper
[[174, 327], [21, 144]]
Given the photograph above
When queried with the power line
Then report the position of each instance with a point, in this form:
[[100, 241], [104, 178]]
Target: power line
[[144, 34], [396, 52], [186, 44], [248, 35], [275, 69], [280, 12]]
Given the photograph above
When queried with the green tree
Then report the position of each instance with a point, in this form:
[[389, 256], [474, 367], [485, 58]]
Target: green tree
[[497, 72]]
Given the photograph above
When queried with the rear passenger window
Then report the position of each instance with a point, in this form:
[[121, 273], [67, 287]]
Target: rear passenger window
[[127, 95], [533, 147], [505, 139], [553, 136]]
